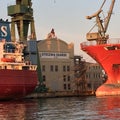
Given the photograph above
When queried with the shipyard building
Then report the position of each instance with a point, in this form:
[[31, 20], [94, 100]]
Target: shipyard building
[[56, 59], [87, 76], [94, 76], [63, 71]]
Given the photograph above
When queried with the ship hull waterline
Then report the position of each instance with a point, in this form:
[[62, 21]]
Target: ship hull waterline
[[16, 84], [108, 56]]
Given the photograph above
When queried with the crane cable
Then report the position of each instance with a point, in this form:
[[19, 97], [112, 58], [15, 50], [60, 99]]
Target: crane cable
[[102, 4]]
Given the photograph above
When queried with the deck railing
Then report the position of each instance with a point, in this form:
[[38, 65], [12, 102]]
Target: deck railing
[[93, 43]]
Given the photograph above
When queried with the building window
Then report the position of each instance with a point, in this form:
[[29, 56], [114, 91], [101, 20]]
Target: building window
[[86, 75], [89, 85], [68, 78], [43, 68], [64, 78], [56, 68], [68, 68], [64, 68], [99, 75], [44, 78], [69, 87], [65, 87], [51, 68]]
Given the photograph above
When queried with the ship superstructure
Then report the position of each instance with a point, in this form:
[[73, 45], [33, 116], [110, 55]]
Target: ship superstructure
[[12, 56]]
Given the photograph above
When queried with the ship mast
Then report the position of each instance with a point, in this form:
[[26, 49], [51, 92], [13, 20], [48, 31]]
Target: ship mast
[[100, 36]]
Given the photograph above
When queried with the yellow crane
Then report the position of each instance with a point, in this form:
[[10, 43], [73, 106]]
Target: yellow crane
[[100, 36]]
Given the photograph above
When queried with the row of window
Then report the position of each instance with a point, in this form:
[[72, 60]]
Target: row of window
[[65, 78], [67, 86], [94, 67], [55, 68], [94, 75]]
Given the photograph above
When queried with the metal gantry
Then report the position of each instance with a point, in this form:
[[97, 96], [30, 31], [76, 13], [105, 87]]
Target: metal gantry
[[22, 16]]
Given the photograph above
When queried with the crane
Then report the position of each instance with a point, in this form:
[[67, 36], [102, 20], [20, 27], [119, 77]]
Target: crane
[[22, 15], [100, 36]]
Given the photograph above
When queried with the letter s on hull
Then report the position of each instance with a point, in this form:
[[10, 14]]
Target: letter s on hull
[[3, 31]]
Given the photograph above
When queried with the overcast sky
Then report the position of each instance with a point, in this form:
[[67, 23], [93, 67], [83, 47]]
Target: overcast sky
[[67, 17]]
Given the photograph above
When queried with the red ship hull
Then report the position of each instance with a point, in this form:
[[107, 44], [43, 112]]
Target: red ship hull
[[17, 83], [108, 56]]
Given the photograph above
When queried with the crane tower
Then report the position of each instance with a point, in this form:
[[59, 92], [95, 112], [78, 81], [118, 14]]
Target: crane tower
[[100, 36], [22, 17]]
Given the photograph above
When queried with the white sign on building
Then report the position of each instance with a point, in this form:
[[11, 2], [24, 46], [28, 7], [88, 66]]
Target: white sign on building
[[54, 55]]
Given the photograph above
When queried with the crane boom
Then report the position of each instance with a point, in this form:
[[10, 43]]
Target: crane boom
[[102, 28], [109, 15], [98, 12]]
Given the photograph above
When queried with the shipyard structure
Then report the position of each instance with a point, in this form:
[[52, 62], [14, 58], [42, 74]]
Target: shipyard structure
[[58, 68], [64, 72]]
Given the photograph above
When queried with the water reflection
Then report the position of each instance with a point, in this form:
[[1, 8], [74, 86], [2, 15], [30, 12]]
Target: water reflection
[[74, 108], [110, 107], [81, 108], [16, 110]]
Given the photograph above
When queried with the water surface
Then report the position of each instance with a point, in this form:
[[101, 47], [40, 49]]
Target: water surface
[[71, 108]]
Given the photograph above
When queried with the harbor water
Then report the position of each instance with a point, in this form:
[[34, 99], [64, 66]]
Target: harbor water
[[69, 108]]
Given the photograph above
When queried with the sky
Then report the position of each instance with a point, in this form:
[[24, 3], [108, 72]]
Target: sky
[[68, 18]]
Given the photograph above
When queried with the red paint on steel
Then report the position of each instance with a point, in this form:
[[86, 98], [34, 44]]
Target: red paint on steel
[[108, 56], [17, 83]]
